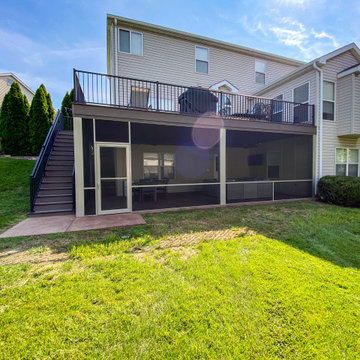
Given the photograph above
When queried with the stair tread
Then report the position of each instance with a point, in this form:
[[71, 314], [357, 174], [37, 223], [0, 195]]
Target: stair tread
[[54, 203], [55, 195], [43, 212]]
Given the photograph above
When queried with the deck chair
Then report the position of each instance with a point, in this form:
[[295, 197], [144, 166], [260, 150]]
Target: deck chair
[[139, 97]]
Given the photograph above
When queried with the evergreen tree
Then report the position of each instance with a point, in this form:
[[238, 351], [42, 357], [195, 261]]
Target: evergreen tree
[[27, 109], [66, 103], [27, 105], [39, 120], [13, 127], [51, 110]]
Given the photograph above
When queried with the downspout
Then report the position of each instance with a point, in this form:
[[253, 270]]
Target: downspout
[[317, 68]]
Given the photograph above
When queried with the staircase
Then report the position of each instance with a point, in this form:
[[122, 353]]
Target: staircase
[[55, 195]]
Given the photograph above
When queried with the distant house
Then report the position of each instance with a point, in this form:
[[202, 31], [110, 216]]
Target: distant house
[[5, 82]]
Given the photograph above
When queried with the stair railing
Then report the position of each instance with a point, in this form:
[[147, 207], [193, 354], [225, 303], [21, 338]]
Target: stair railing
[[41, 162]]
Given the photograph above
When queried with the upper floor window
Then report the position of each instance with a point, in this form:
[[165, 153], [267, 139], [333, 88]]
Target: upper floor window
[[130, 42], [259, 72], [329, 100], [301, 96], [277, 108], [202, 59], [347, 162]]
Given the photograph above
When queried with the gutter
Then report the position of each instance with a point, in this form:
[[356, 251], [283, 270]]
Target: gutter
[[316, 66]]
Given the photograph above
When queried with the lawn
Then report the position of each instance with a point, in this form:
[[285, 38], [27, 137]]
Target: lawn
[[14, 190], [260, 282]]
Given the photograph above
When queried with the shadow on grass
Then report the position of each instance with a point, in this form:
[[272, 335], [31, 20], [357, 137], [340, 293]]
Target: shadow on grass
[[328, 232]]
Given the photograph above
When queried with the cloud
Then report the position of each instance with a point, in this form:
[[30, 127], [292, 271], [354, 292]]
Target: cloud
[[307, 42], [294, 3], [324, 35], [50, 63]]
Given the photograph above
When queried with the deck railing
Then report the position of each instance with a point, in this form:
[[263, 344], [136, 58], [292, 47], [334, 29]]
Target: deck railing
[[124, 92]]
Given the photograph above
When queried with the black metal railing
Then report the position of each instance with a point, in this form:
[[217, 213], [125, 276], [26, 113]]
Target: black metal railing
[[60, 123], [116, 91]]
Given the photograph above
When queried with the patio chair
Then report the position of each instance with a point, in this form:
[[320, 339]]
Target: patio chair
[[139, 97]]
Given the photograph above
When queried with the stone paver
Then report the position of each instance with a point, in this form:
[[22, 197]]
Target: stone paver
[[68, 223]]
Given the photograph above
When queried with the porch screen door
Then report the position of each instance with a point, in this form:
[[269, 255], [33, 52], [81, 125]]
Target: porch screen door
[[112, 178]]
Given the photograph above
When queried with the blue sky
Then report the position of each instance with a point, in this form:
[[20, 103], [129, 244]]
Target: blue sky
[[41, 41]]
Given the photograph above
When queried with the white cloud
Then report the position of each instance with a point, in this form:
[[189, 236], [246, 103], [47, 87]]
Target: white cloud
[[308, 42], [300, 3], [324, 35]]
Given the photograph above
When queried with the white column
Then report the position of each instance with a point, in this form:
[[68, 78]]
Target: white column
[[79, 166], [222, 166]]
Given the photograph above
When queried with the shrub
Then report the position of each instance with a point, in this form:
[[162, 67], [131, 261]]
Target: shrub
[[339, 190], [13, 122]]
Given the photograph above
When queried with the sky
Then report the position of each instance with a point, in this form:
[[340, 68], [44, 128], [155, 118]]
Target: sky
[[41, 41]]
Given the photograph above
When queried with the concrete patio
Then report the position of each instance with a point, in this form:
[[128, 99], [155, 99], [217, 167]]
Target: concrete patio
[[69, 223]]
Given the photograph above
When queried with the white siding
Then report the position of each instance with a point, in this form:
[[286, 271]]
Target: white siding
[[357, 105], [344, 104], [172, 60], [331, 140]]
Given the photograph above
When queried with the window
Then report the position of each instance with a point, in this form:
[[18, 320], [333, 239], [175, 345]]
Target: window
[[159, 165], [259, 72], [328, 100], [301, 97], [277, 108], [202, 60], [130, 42], [347, 162]]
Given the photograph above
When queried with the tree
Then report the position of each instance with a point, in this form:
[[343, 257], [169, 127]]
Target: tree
[[13, 122], [66, 103], [51, 110], [39, 120]]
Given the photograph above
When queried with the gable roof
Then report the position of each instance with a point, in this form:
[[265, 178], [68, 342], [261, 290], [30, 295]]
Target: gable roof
[[320, 61], [112, 19], [18, 81]]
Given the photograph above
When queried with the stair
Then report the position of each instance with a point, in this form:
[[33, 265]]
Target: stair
[[55, 193]]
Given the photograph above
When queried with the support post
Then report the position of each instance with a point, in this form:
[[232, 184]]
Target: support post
[[79, 166], [222, 166]]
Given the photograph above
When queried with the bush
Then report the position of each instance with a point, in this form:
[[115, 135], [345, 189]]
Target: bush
[[339, 190]]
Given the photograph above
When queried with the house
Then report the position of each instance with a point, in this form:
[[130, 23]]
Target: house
[[182, 120], [5, 83]]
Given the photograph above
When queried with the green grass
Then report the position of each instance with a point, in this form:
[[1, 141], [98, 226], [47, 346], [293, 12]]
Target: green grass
[[287, 286], [14, 190]]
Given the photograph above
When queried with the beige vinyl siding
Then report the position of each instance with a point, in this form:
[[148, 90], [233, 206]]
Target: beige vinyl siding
[[5, 87], [172, 60], [287, 89], [357, 105], [331, 140], [344, 102]]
